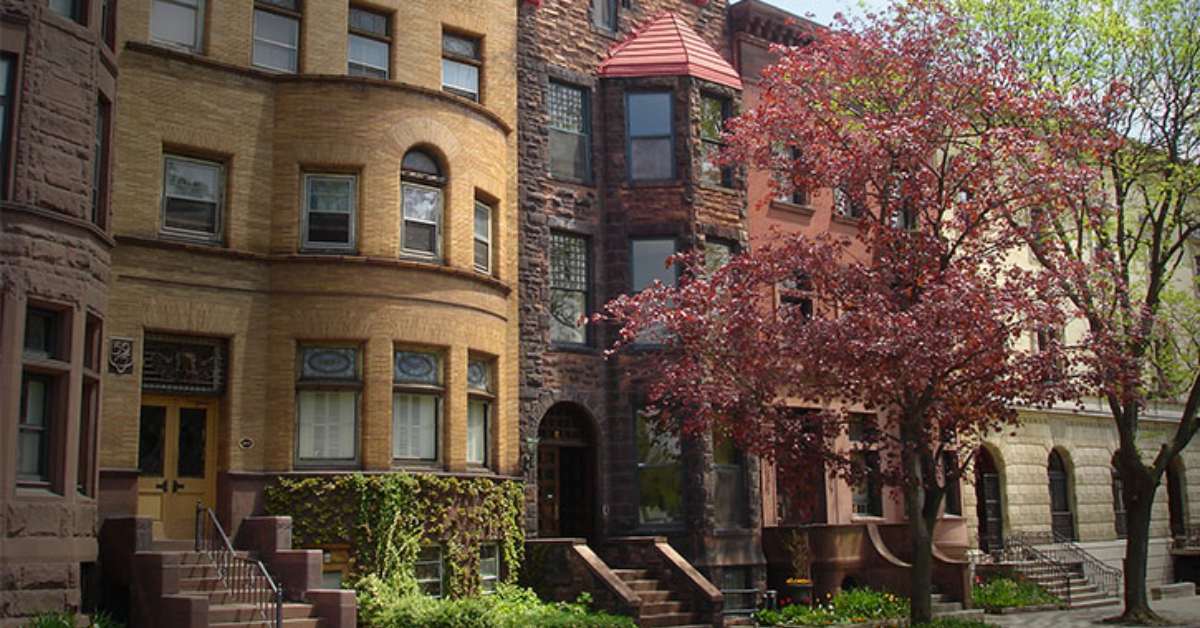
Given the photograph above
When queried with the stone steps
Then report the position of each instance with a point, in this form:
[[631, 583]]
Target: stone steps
[[660, 607]]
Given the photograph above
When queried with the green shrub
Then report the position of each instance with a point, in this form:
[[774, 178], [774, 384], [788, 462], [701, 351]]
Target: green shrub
[[999, 593], [63, 619], [397, 605], [849, 606], [952, 622]]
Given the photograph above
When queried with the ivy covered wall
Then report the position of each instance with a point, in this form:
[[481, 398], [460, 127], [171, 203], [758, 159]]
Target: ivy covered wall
[[386, 519]]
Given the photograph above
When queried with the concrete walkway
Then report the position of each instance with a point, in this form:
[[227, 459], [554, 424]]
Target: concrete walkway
[[1183, 611]]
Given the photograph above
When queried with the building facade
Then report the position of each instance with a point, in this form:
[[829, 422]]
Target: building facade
[[316, 258], [57, 95], [621, 104]]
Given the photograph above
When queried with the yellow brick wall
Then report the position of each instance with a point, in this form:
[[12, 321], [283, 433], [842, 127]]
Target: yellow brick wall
[[256, 290]]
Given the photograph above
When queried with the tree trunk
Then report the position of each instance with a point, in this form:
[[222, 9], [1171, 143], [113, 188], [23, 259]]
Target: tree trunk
[[1139, 503], [921, 534]]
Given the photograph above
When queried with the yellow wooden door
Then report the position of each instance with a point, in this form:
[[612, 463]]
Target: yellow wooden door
[[177, 462]]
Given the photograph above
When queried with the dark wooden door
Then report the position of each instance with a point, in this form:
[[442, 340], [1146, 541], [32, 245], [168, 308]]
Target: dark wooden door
[[1062, 520], [548, 493], [989, 503]]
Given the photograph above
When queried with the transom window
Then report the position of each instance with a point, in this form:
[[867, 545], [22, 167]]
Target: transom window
[[178, 23], [421, 188], [416, 405], [277, 34], [570, 131], [460, 65], [327, 397], [483, 237], [570, 301], [330, 205], [714, 111], [370, 43], [193, 194], [651, 142]]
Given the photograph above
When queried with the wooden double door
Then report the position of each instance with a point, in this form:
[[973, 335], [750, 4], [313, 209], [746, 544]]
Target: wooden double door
[[177, 441]]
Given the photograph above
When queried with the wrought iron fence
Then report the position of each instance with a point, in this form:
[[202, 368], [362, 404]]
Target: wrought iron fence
[[246, 579]]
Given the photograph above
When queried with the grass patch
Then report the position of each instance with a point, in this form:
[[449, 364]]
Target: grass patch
[[999, 593]]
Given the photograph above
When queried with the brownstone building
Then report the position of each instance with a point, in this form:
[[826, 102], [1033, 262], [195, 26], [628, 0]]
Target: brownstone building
[[620, 105], [57, 89]]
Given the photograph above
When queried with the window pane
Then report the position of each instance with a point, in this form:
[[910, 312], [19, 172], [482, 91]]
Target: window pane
[[422, 203], [716, 254], [479, 375], [324, 228], [651, 159], [368, 21], [483, 221], [417, 368], [420, 237], [368, 57], [649, 114], [649, 263], [461, 46], [568, 155], [191, 215], [329, 363], [152, 435], [712, 117], [710, 172], [40, 336], [193, 180], [172, 22], [567, 309], [326, 421], [604, 14], [659, 500], [193, 427], [276, 39], [428, 570], [565, 104], [477, 418], [36, 399], [65, 8], [414, 426], [29, 455], [460, 76], [489, 567]]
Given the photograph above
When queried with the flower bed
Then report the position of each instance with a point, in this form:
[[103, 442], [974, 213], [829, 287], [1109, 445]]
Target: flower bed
[[1001, 594], [852, 606]]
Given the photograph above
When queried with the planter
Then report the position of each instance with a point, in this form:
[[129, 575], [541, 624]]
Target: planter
[[797, 593]]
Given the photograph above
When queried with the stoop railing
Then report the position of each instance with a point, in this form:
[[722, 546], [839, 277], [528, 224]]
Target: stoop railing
[[1066, 551], [1038, 566], [246, 578]]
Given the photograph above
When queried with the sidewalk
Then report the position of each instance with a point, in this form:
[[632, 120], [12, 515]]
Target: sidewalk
[[1182, 611]]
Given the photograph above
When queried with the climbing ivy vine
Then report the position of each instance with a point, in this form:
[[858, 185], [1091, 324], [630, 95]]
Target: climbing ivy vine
[[387, 518]]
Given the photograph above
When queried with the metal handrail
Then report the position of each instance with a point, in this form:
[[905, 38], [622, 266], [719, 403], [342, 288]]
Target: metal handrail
[[1017, 551], [1065, 550], [1189, 539], [246, 579]]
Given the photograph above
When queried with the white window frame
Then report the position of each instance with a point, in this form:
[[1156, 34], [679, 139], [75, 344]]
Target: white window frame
[[486, 240], [283, 14], [219, 211], [197, 45], [305, 210], [440, 561], [339, 384], [436, 390], [487, 583], [404, 219], [453, 58]]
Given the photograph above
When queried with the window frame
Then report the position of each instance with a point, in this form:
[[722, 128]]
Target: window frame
[[305, 211], [198, 30], [614, 21], [585, 116], [303, 384], [79, 11], [708, 143], [217, 237], [680, 520], [435, 390], [476, 62], [587, 290], [494, 579], [101, 162], [54, 369], [384, 38], [440, 561], [630, 138], [870, 486], [8, 116], [51, 383], [488, 241], [487, 397], [297, 15]]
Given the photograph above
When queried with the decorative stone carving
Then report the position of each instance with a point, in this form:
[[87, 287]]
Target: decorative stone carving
[[120, 356]]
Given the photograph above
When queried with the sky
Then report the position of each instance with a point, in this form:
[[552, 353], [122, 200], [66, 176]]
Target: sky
[[823, 10]]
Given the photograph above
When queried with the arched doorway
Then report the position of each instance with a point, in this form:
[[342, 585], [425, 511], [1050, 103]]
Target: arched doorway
[[989, 502], [1062, 519], [566, 473], [1177, 498]]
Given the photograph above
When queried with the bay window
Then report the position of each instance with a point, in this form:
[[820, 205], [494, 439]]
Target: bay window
[[416, 406], [327, 398], [651, 151], [479, 409]]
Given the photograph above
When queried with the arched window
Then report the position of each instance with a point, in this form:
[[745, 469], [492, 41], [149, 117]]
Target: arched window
[[989, 502], [1062, 520], [1118, 496], [421, 187]]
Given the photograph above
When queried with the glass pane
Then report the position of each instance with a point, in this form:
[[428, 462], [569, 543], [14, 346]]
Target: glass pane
[[483, 255], [710, 172], [37, 398], [414, 426], [417, 368], [567, 309], [193, 180], [461, 46], [39, 333], [477, 416], [368, 52], [174, 23], [568, 261], [329, 363], [649, 262], [478, 375], [152, 435], [422, 203], [730, 500], [330, 194], [368, 21], [30, 454], [651, 159], [483, 221], [326, 228], [4, 73], [276, 28], [655, 446], [461, 76], [659, 497], [357, 69], [193, 427], [420, 237], [420, 161], [191, 215], [716, 254], [274, 56], [712, 117], [604, 14], [568, 155], [327, 424], [565, 104], [649, 114]]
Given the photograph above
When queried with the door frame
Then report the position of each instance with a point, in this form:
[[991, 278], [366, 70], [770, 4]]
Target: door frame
[[173, 404]]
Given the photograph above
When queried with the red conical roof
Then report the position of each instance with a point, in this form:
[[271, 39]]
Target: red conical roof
[[668, 47]]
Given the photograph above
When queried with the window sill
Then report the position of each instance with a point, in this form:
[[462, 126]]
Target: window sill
[[806, 211], [571, 180], [417, 466], [720, 188], [847, 220], [655, 183], [867, 519], [190, 239], [576, 349], [332, 466], [37, 491]]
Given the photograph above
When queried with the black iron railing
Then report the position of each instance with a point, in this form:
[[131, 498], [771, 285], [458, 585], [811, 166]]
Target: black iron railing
[[1189, 539], [1108, 579], [1038, 566], [246, 579]]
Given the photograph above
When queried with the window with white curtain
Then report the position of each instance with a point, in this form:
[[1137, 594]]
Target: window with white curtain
[[327, 397], [416, 406]]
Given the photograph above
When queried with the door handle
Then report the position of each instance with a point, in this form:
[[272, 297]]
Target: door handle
[[161, 486], [175, 485]]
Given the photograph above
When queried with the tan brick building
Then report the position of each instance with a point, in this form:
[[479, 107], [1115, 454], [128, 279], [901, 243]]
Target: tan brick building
[[316, 249], [57, 90]]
